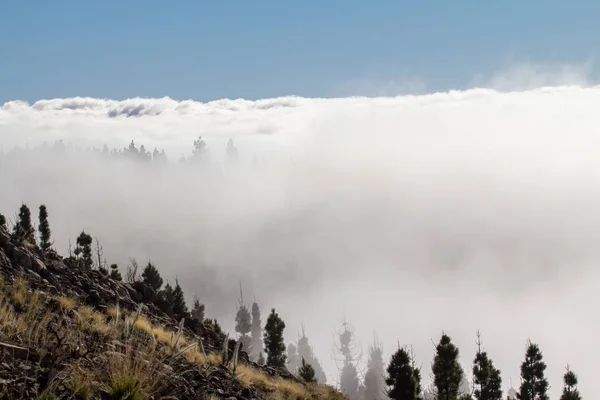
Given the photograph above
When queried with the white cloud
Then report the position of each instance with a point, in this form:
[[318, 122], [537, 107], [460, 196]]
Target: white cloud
[[459, 211]]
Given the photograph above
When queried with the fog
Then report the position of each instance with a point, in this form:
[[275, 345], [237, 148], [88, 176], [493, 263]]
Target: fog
[[408, 215]]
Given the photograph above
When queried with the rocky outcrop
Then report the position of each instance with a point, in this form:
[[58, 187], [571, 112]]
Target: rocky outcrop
[[24, 373]]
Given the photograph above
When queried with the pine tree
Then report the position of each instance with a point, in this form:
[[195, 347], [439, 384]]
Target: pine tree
[[374, 378], [447, 372], [274, 346], [167, 293], [534, 385], [403, 378], [486, 378], [261, 359], [178, 304], [349, 384], [256, 333], [84, 247], [305, 350], [243, 323], [570, 391], [44, 229], [151, 277], [293, 359], [2, 222], [198, 309], [114, 273], [23, 229], [306, 372]]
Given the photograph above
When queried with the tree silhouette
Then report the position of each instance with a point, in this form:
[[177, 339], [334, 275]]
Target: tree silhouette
[[305, 350], [198, 309], [256, 332], [570, 391], [534, 385], [83, 250], [486, 378], [151, 277], [243, 322], [44, 229], [114, 273], [274, 346], [23, 230], [403, 378], [374, 378], [306, 372], [447, 372], [178, 304]]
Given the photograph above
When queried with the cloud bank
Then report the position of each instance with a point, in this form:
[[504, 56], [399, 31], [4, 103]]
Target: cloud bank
[[451, 211]]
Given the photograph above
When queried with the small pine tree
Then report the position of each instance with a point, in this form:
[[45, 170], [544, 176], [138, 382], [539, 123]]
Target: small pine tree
[[24, 228], [534, 385], [274, 345], [305, 350], [570, 391], [151, 277], [306, 372], [486, 378], [178, 304], [167, 293], [114, 273], [84, 248], [198, 309], [404, 379], [447, 372], [2, 222], [44, 229]]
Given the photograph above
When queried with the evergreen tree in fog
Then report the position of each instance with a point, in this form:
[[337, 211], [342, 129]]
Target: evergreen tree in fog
[[374, 378], [447, 372], [243, 323], [403, 378], [44, 229], [305, 351], [274, 345], [256, 333], [570, 391], [486, 378], [534, 385]]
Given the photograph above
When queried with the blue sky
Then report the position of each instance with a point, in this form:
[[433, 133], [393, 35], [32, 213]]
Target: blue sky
[[256, 49]]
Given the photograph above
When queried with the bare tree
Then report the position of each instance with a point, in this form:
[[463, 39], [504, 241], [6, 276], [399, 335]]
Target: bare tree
[[132, 274]]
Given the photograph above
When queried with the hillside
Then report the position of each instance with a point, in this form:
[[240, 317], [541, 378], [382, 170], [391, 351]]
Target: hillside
[[68, 332]]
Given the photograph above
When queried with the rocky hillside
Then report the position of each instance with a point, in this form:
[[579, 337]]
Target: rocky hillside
[[73, 333]]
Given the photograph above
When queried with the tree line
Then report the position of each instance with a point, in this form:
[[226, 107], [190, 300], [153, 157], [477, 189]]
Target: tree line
[[400, 380]]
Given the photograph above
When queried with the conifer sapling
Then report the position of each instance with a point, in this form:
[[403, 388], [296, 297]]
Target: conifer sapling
[[534, 385], [570, 391], [44, 229], [306, 372], [274, 345], [151, 277]]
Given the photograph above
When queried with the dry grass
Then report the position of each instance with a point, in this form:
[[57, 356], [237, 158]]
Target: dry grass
[[66, 303], [138, 366]]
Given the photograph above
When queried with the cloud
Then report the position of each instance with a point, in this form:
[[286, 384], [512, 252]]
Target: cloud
[[459, 211]]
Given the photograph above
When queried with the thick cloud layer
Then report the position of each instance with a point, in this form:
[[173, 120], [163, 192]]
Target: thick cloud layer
[[451, 211]]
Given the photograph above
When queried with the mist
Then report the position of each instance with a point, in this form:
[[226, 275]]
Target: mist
[[407, 215]]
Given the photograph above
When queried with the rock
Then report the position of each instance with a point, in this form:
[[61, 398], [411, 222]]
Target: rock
[[22, 353]]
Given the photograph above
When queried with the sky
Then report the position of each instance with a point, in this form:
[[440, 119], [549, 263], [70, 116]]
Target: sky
[[211, 50]]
